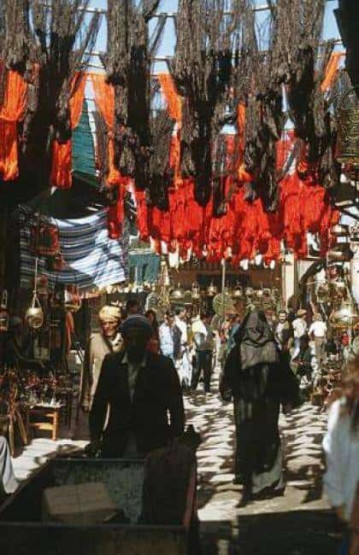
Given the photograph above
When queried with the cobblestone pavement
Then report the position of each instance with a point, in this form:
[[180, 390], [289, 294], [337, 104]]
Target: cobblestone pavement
[[297, 523]]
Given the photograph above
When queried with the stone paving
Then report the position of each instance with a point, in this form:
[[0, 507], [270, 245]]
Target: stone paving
[[297, 523]]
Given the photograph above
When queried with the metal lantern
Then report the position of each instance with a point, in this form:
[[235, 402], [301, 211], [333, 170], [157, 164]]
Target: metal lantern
[[267, 294], [177, 293], [73, 299], [237, 292], [188, 298], [4, 315], [347, 147], [34, 316], [249, 292], [196, 291], [345, 316], [212, 290]]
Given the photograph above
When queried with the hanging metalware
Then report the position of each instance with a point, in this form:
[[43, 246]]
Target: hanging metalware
[[73, 299], [196, 291], [212, 290], [4, 315], [345, 316], [177, 293], [237, 292], [347, 147], [34, 316]]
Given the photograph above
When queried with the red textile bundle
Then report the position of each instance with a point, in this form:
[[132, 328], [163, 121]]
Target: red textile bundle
[[12, 111]]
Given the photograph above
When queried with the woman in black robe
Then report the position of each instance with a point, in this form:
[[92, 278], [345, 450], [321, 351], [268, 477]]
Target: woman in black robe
[[258, 380]]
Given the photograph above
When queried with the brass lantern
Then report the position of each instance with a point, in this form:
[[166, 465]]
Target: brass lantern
[[212, 290], [196, 291], [177, 293], [249, 292], [237, 292], [345, 316]]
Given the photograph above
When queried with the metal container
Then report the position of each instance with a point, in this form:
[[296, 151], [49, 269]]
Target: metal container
[[23, 532]]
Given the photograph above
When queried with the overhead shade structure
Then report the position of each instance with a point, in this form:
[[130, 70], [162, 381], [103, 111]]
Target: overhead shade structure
[[92, 259]]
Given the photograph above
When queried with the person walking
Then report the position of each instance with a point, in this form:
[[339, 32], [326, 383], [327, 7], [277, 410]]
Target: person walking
[[183, 363], [318, 332], [203, 340], [170, 337], [108, 340], [154, 344], [143, 393], [300, 328], [283, 332], [258, 380]]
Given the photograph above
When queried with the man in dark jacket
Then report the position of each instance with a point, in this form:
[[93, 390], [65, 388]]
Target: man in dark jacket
[[143, 393]]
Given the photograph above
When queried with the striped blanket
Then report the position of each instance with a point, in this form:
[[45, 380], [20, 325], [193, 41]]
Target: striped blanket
[[92, 259]]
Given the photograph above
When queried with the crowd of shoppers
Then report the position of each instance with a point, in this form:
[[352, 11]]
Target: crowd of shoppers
[[136, 371]]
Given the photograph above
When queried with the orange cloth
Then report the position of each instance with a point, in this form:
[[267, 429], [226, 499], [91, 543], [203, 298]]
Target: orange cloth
[[331, 70], [62, 152], [105, 101], [11, 112], [174, 106]]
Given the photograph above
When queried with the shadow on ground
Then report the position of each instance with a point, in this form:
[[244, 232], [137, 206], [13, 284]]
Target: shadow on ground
[[291, 533]]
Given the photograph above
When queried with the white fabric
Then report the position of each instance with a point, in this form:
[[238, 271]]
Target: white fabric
[[183, 327], [341, 447], [165, 333], [318, 329], [8, 481], [199, 327], [270, 478], [299, 327]]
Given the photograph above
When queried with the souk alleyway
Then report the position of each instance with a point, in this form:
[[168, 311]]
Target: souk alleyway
[[298, 523]]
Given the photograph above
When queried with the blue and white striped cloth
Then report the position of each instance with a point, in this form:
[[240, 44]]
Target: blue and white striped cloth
[[92, 258]]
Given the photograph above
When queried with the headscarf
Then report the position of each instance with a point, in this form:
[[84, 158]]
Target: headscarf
[[109, 312], [256, 341]]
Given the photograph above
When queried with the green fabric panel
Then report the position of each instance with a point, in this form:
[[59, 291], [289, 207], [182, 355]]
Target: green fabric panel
[[83, 150], [148, 267]]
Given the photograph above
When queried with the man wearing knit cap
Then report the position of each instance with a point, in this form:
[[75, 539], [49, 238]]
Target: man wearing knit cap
[[108, 340], [143, 393]]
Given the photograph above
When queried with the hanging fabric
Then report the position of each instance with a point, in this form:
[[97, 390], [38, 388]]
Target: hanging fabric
[[91, 259], [11, 112], [331, 70], [105, 102], [62, 152], [174, 107]]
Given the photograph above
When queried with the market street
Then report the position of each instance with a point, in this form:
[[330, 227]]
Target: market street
[[297, 523]]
